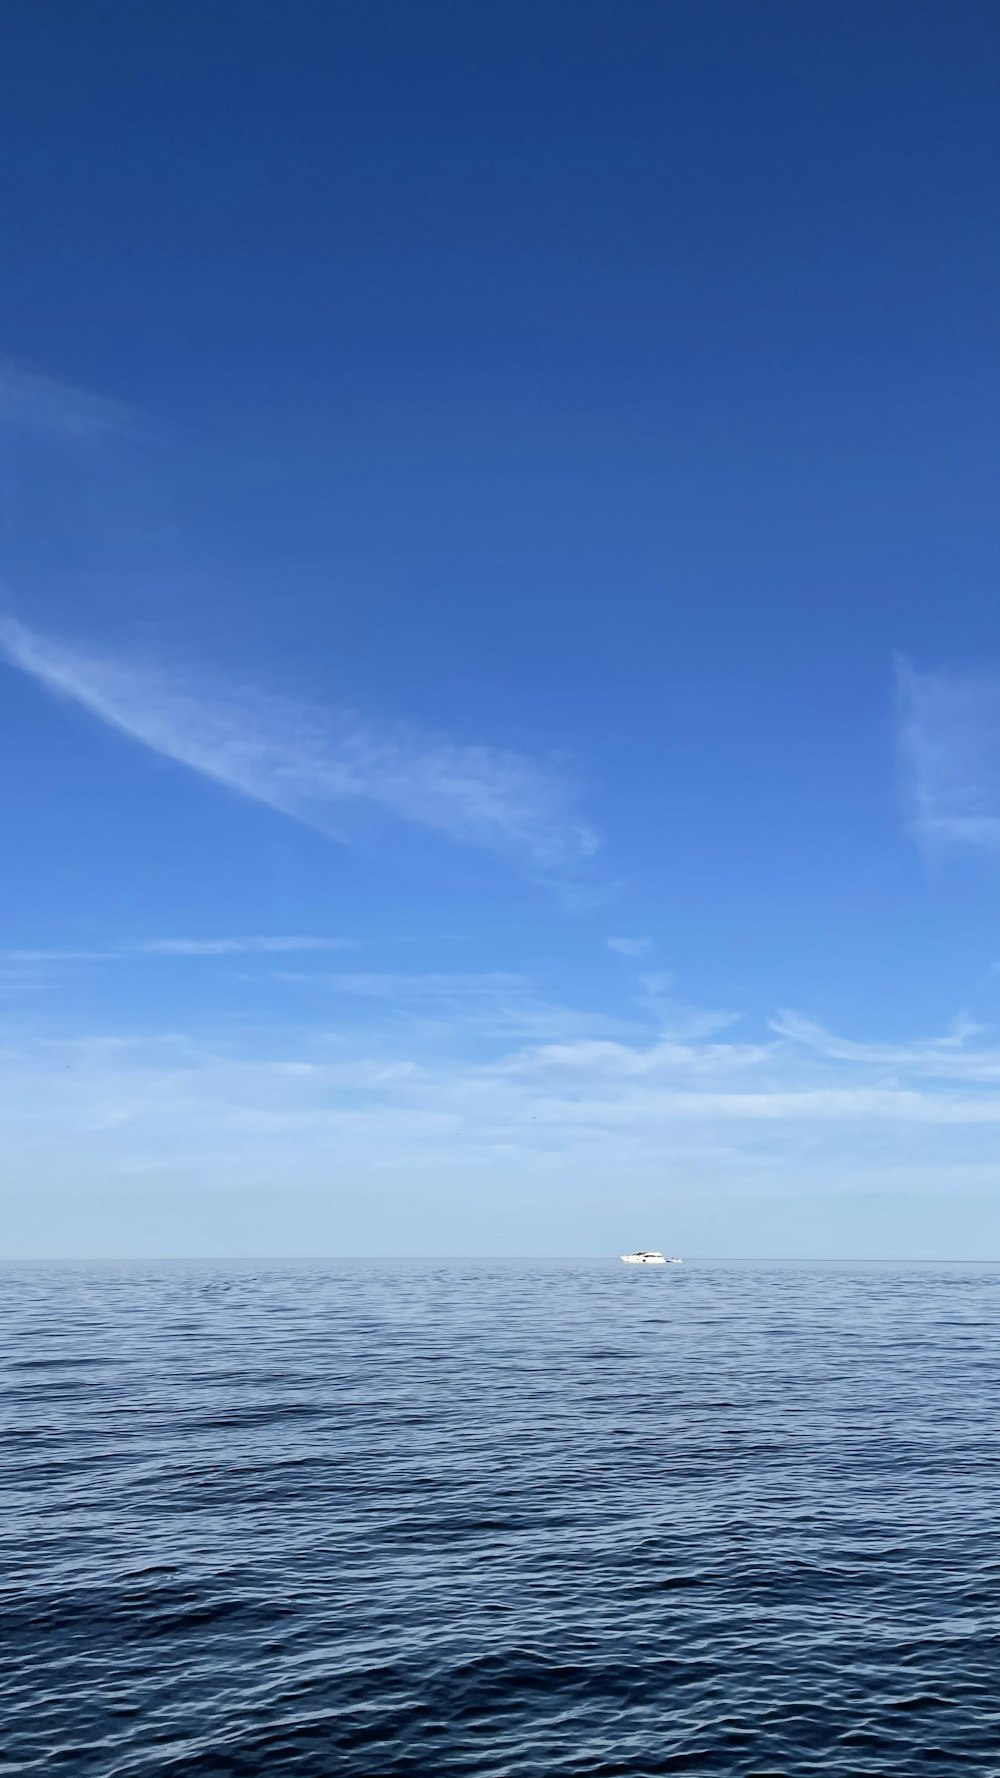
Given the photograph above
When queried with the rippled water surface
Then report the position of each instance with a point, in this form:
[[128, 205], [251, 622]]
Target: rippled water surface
[[491, 1518]]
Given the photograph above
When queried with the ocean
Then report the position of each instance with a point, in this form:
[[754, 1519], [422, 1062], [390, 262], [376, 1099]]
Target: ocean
[[526, 1518]]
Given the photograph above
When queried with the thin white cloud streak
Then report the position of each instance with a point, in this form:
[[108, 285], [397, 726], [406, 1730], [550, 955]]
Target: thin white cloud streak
[[232, 947], [948, 736], [390, 985], [314, 765], [596, 1059], [495, 1005], [254, 945], [40, 407], [23, 956], [945, 1058], [675, 1018], [630, 947]]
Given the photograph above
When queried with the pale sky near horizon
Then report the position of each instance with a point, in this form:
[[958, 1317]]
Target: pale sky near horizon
[[499, 634]]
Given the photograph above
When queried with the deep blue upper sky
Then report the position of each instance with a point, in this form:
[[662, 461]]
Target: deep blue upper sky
[[486, 483]]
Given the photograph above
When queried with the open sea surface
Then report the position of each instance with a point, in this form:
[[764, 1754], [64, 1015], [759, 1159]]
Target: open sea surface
[[534, 1518]]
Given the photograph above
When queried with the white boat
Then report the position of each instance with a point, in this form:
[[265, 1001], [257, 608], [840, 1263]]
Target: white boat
[[647, 1256]]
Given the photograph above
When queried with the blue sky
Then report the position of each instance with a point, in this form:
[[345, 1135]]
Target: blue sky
[[500, 681]]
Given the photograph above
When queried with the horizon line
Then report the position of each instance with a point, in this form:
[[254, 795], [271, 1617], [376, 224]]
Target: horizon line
[[770, 1259]]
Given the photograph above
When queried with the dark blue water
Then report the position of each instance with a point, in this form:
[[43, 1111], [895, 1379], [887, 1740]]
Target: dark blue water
[[500, 1518]]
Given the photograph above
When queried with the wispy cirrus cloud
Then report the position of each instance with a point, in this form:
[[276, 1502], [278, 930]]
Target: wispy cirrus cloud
[[948, 734], [313, 764], [675, 1018], [253, 945], [954, 1056], [801, 1073], [630, 947], [434, 985], [265, 944], [41, 407], [497, 1004], [55, 956]]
